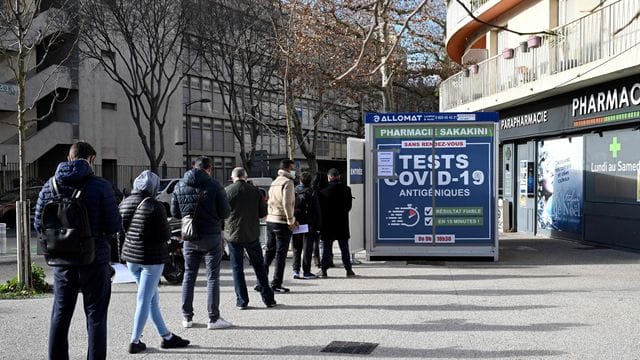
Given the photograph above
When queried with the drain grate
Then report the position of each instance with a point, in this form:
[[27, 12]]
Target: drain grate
[[350, 347]]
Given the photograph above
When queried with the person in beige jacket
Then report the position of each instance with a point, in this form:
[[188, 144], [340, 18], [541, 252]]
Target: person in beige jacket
[[280, 222]]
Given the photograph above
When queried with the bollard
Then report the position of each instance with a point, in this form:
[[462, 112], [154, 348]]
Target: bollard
[[3, 238]]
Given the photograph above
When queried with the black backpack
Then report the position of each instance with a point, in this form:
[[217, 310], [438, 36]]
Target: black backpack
[[304, 210], [65, 234]]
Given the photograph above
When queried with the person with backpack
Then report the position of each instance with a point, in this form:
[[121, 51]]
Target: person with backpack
[[75, 214], [307, 211], [201, 203], [335, 204], [145, 250]]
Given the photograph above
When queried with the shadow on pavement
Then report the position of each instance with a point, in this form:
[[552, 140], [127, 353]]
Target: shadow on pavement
[[421, 308], [444, 325], [471, 292], [379, 352]]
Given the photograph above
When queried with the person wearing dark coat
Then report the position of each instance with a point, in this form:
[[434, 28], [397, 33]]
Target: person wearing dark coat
[[307, 211], [145, 250], [242, 231], [92, 280], [201, 196], [335, 204]]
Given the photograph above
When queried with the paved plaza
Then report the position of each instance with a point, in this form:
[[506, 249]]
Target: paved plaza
[[545, 299]]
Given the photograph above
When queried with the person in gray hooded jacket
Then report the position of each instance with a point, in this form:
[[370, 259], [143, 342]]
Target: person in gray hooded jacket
[[146, 232]]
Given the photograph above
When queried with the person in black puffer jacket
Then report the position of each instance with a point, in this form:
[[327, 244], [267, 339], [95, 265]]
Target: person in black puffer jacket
[[147, 231]]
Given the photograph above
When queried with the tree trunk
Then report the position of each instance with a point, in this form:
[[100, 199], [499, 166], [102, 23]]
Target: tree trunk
[[22, 207]]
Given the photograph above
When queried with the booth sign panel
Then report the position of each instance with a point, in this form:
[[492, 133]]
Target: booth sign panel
[[440, 187]]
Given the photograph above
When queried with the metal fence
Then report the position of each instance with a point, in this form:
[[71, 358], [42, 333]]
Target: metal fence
[[10, 176], [603, 34]]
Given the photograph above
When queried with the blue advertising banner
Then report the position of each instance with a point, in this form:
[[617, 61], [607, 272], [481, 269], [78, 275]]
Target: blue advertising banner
[[560, 185], [356, 172], [442, 191], [391, 118]]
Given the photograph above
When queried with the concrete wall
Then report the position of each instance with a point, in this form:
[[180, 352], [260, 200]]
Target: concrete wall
[[113, 132]]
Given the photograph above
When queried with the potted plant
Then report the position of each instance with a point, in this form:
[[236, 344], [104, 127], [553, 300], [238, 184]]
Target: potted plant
[[534, 42], [474, 68], [523, 47], [507, 53]]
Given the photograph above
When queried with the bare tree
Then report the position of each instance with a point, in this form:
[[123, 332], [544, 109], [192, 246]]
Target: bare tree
[[140, 45], [313, 50], [236, 45], [384, 27], [29, 32]]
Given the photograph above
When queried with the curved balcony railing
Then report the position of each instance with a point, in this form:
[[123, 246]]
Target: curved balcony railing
[[456, 13], [600, 35]]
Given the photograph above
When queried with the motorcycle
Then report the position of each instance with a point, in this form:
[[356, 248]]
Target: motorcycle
[[174, 269]]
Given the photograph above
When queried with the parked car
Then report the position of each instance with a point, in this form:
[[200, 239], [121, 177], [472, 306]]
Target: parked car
[[8, 204], [164, 194]]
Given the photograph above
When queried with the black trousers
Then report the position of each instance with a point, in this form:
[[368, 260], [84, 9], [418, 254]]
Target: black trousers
[[303, 247], [278, 238], [95, 283]]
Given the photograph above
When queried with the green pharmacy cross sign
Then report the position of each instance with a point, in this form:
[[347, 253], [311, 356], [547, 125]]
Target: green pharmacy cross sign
[[615, 147]]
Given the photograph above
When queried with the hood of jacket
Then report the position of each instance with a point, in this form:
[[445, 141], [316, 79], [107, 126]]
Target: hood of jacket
[[147, 182], [72, 172], [286, 174], [300, 188], [196, 178]]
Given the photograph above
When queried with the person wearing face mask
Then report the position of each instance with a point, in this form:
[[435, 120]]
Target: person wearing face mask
[[93, 280], [280, 222], [145, 250]]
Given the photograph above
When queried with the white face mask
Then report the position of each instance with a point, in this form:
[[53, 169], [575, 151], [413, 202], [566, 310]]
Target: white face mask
[[293, 173]]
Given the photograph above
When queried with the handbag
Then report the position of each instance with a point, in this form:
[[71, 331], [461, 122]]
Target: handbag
[[188, 227]]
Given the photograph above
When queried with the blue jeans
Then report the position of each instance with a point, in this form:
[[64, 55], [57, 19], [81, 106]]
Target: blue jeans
[[327, 255], [278, 238], [193, 254], [254, 251], [95, 283], [147, 278]]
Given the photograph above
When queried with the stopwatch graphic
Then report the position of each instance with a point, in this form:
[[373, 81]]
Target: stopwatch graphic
[[404, 216]]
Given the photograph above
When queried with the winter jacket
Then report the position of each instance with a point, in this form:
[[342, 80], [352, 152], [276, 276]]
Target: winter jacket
[[307, 209], [213, 208], [335, 204], [98, 198], [247, 208], [282, 199], [144, 221]]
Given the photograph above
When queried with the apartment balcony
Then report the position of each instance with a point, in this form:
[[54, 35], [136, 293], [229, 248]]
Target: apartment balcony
[[601, 46], [462, 29]]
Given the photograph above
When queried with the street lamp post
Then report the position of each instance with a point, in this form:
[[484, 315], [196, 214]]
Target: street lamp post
[[187, 141]]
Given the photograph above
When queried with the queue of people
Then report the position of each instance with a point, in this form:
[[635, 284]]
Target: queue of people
[[140, 222]]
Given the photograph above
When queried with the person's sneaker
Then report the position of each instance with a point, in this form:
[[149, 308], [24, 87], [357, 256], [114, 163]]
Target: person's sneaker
[[219, 324], [174, 342], [186, 323], [309, 276], [280, 289], [296, 275], [272, 304], [135, 348], [258, 288], [242, 307], [316, 261], [322, 273], [350, 273]]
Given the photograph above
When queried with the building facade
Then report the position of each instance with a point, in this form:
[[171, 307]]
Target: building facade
[[568, 95], [93, 108]]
